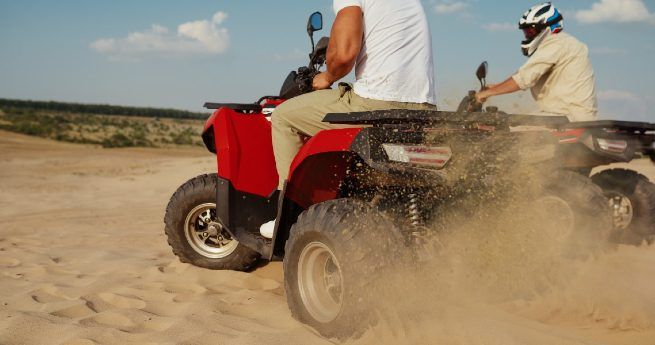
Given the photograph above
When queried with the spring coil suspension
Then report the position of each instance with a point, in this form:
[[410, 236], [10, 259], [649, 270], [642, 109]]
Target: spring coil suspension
[[412, 210]]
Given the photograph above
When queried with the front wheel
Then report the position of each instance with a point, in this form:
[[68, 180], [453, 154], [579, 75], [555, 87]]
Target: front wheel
[[334, 254], [631, 197], [195, 233], [576, 213]]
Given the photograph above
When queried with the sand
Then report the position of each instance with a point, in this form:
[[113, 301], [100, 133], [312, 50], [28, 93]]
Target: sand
[[83, 260]]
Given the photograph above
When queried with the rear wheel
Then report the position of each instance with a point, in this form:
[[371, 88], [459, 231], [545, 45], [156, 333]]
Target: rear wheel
[[333, 256], [195, 233], [631, 198]]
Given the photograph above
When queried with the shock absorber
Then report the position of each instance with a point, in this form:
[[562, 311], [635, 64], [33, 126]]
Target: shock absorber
[[413, 211]]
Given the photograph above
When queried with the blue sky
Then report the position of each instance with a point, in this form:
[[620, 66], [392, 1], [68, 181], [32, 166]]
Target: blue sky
[[173, 53]]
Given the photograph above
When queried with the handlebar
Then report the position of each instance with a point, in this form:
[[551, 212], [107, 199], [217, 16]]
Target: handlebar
[[300, 82], [470, 104]]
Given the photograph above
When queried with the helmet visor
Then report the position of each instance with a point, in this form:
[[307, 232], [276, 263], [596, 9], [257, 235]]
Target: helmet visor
[[530, 33]]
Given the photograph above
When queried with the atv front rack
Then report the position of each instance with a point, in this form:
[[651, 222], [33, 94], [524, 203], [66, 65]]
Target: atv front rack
[[246, 107]]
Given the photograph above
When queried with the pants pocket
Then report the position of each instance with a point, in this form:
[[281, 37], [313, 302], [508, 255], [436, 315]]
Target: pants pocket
[[345, 92]]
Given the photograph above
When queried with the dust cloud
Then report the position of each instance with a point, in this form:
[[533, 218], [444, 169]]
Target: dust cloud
[[511, 273]]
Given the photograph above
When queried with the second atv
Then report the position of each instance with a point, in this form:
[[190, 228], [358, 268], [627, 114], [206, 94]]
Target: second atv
[[585, 146]]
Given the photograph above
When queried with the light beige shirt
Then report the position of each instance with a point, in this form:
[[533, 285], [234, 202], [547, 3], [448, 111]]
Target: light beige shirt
[[561, 78]]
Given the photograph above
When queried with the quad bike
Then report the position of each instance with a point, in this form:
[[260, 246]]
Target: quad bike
[[357, 199], [587, 145]]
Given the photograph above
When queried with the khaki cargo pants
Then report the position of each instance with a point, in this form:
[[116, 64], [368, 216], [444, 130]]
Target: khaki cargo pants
[[303, 116]]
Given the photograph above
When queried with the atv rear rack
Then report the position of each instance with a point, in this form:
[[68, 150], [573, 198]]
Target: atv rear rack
[[431, 117], [639, 127], [642, 132]]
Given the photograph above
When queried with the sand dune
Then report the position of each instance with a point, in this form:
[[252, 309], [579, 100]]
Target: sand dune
[[83, 260]]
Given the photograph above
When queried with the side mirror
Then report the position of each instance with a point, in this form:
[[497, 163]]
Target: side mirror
[[315, 23], [481, 73]]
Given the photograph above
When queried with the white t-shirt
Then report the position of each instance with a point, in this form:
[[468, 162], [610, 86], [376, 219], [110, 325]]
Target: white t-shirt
[[395, 63]]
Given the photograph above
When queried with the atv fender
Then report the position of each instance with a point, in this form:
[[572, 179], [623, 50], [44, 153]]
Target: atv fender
[[315, 176], [244, 149], [321, 165]]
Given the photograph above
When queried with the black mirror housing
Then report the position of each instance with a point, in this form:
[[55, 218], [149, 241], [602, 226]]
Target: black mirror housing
[[481, 73]]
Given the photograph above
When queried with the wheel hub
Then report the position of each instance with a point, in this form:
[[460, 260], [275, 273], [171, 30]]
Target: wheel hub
[[206, 235], [622, 211], [320, 282], [213, 229], [559, 220]]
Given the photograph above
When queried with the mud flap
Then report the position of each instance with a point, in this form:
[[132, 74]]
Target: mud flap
[[242, 214]]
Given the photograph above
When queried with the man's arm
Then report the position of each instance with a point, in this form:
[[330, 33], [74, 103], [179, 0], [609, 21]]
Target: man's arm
[[345, 44], [508, 86], [528, 75]]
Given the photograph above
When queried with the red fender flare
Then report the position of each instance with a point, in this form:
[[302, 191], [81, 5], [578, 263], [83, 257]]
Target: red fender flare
[[320, 166]]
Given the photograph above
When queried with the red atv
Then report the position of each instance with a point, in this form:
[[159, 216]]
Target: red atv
[[359, 199], [587, 145]]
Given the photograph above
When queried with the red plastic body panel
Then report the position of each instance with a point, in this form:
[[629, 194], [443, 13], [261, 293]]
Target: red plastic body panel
[[273, 102], [570, 136], [210, 121], [333, 140], [245, 157], [244, 151], [321, 165]]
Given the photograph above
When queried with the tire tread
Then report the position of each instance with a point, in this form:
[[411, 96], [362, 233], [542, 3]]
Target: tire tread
[[200, 187]]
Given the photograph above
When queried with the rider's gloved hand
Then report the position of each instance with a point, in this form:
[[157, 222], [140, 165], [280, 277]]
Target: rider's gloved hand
[[481, 96], [322, 81]]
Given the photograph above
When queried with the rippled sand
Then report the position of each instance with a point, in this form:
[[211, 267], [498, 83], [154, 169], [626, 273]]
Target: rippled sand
[[83, 260]]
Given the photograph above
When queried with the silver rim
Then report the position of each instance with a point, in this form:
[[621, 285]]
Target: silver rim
[[320, 282], [559, 215], [622, 211], [206, 235]]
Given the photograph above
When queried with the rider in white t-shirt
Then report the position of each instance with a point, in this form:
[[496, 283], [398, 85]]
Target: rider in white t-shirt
[[388, 43], [395, 61]]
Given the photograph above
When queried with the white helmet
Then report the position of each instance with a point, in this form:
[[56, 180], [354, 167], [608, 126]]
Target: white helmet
[[537, 23]]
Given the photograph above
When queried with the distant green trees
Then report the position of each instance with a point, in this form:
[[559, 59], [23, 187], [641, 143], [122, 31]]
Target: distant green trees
[[110, 131], [100, 109]]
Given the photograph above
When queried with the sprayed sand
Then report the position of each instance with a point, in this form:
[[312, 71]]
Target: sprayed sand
[[83, 260]]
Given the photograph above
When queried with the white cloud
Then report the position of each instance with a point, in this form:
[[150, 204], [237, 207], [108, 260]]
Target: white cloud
[[192, 38], [449, 7], [617, 11], [498, 27]]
